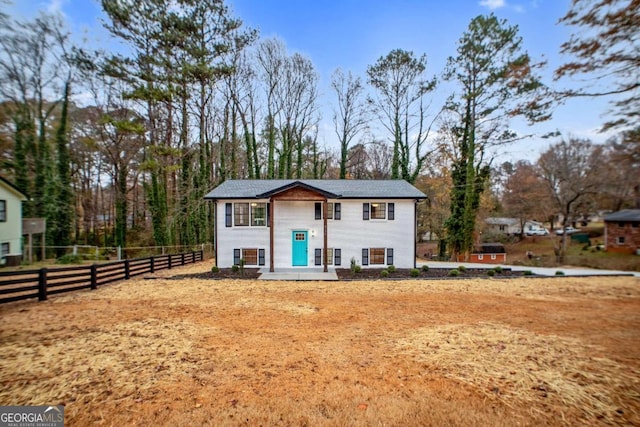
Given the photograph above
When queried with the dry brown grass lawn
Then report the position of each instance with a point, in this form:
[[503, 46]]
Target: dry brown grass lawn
[[558, 351]]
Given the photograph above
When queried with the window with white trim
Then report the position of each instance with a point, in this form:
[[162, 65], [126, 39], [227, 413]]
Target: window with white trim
[[6, 249], [258, 214], [333, 210], [377, 256], [241, 214], [245, 214], [249, 256], [378, 211], [620, 240], [333, 256]]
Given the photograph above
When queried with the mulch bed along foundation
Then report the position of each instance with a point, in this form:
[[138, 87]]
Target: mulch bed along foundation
[[432, 273], [366, 274]]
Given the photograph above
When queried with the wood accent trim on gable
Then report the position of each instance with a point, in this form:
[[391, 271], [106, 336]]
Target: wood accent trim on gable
[[299, 194]]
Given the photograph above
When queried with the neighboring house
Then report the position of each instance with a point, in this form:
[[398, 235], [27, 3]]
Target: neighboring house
[[622, 231], [512, 226], [10, 222], [506, 226], [307, 223]]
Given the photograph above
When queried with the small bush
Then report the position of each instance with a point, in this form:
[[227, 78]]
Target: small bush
[[69, 259], [454, 273], [462, 268], [425, 268], [559, 273], [384, 273], [491, 273], [215, 269], [354, 266], [235, 268], [391, 268], [357, 269], [528, 273], [414, 272], [497, 269]]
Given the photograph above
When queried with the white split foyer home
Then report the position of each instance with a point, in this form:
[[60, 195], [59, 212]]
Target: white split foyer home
[[284, 224]]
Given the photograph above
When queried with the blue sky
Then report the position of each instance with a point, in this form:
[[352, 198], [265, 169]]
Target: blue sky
[[353, 34]]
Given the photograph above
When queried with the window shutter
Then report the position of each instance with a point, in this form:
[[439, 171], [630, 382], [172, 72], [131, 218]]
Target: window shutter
[[337, 209], [391, 208], [318, 210], [260, 256], [268, 215], [337, 258], [318, 257], [365, 256], [389, 256], [228, 208], [236, 257], [365, 211]]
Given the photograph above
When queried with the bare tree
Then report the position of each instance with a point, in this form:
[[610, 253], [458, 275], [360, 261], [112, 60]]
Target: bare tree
[[605, 51], [399, 78], [350, 115], [525, 194], [573, 171], [270, 58]]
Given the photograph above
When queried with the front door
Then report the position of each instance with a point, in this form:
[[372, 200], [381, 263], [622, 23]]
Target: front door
[[299, 248]]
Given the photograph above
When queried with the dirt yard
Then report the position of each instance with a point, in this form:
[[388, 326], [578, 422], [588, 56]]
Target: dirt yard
[[490, 352]]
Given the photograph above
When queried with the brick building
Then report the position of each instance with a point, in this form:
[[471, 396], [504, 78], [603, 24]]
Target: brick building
[[622, 231]]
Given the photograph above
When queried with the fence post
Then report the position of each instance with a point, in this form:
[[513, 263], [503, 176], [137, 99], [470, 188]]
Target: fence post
[[152, 266], [42, 284], [169, 259], [75, 249], [182, 258], [201, 255], [126, 269], [94, 277], [119, 253]]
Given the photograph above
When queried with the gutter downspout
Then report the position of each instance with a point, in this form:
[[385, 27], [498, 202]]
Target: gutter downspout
[[415, 233], [271, 222]]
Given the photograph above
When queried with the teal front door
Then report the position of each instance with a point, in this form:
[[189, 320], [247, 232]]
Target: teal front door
[[299, 248]]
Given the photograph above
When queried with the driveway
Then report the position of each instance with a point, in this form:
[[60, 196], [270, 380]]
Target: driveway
[[541, 271]]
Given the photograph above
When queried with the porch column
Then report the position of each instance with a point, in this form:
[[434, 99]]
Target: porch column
[[326, 213], [271, 203]]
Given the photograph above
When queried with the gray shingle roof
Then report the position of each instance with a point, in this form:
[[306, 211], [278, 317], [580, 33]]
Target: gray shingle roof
[[345, 189], [624, 215]]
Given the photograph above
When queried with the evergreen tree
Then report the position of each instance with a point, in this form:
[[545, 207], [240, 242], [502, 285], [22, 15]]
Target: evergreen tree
[[496, 81]]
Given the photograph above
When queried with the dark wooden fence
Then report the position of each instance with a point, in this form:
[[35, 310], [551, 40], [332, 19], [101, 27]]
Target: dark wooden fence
[[19, 285]]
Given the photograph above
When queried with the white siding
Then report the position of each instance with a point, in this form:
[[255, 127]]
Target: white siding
[[11, 229], [350, 234], [230, 238]]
